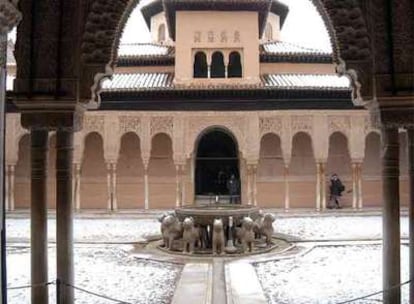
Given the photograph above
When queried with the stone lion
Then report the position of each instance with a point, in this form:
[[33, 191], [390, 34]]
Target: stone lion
[[218, 237], [245, 234], [191, 235], [267, 227], [171, 229], [258, 222]]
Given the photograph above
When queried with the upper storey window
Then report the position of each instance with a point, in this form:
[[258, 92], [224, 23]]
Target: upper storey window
[[217, 65], [234, 68], [200, 65], [161, 33]]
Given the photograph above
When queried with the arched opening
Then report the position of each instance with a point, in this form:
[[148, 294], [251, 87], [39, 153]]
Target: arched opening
[[339, 162], [130, 173], [217, 65], [235, 68], [270, 175], [216, 161], [161, 173], [371, 171], [22, 174], [268, 32], [302, 171], [161, 33], [200, 65], [93, 189]]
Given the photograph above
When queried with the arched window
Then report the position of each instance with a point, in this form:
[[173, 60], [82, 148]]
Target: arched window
[[161, 33], [234, 69], [268, 32], [217, 65], [200, 65]]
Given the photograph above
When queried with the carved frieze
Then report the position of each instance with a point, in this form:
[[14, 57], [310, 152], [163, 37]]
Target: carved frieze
[[94, 123], [129, 124], [338, 123], [302, 123], [162, 124], [270, 125]]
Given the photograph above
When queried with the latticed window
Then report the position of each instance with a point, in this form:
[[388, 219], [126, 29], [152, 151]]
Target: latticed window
[[217, 65], [234, 68], [200, 65]]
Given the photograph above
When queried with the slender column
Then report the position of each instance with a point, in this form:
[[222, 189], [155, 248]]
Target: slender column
[[391, 216], [38, 215], [249, 187], [354, 185], [323, 184], [7, 188], [64, 214], [146, 187], [254, 185], [177, 186], [109, 186], [209, 71], [114, 195], [11, 187], [77, 185], [318, 186], [410, 135], [287, 191], [359, 185]]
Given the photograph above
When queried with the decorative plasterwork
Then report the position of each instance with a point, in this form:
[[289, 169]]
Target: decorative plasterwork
[[302, 123], [129, 124], [270, 125], [9, 18], [162, 124], [94, 123], [338, 123]]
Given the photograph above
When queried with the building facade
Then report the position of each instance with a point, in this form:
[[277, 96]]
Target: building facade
[[215, 94]]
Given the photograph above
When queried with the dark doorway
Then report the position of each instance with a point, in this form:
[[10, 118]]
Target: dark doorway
[[217, 159]]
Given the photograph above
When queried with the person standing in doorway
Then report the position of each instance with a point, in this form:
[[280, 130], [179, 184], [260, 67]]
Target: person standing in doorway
[[336, 188], [233, 187]]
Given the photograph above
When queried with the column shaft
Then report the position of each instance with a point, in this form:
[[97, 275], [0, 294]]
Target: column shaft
[[410, 133], [109, 186], [354, 185], [7, 188], [64, 214], [254, 185], [249, 185], [359, 184], [146, 188], [77, 185], [287, 191], [318, 186], [177, 186], [391, 216], [114, 195], [38, 215], [323, 185], [12, 184]]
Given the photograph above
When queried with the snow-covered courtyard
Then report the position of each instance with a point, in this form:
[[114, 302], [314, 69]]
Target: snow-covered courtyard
[[330, 272]]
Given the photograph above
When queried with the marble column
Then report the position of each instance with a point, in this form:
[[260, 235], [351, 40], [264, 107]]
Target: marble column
[[76, 186], [323, 184], [146, 187], [177, 186], [7, 188], [64, 214], [108, 186], [359, 185], [114, 195], [38, 215], [249, 185], [354, 185], [11, 186], [254, 179], [318, 186], [410, 136], [287, 191], [391, 215]]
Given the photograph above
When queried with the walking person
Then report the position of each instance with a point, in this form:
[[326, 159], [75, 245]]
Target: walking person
[[233, 187], [336, 188]]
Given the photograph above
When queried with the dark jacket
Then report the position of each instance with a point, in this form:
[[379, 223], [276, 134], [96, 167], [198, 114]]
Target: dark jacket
[[336, 187], [233, 186]]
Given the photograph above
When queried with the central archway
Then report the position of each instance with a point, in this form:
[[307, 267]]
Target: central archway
[[216, 161]]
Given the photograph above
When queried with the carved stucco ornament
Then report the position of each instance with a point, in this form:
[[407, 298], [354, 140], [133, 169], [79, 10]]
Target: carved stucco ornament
[[9, 18]]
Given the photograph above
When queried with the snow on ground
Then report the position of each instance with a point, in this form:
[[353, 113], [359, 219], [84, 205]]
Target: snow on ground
[[120, 230], [106, 270], [335, 227], [328, 274], [90, 230]]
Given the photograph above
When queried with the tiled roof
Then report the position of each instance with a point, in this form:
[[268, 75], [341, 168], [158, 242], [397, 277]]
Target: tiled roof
[[144, 50], [138, 82], [305, 81], [281, 51], [164, 81]]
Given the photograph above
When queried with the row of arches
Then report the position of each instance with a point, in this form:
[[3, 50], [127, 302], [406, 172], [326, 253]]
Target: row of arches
[[218, 68], [161, 172]]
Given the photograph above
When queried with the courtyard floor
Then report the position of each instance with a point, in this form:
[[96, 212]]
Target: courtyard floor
[[334, 257]]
